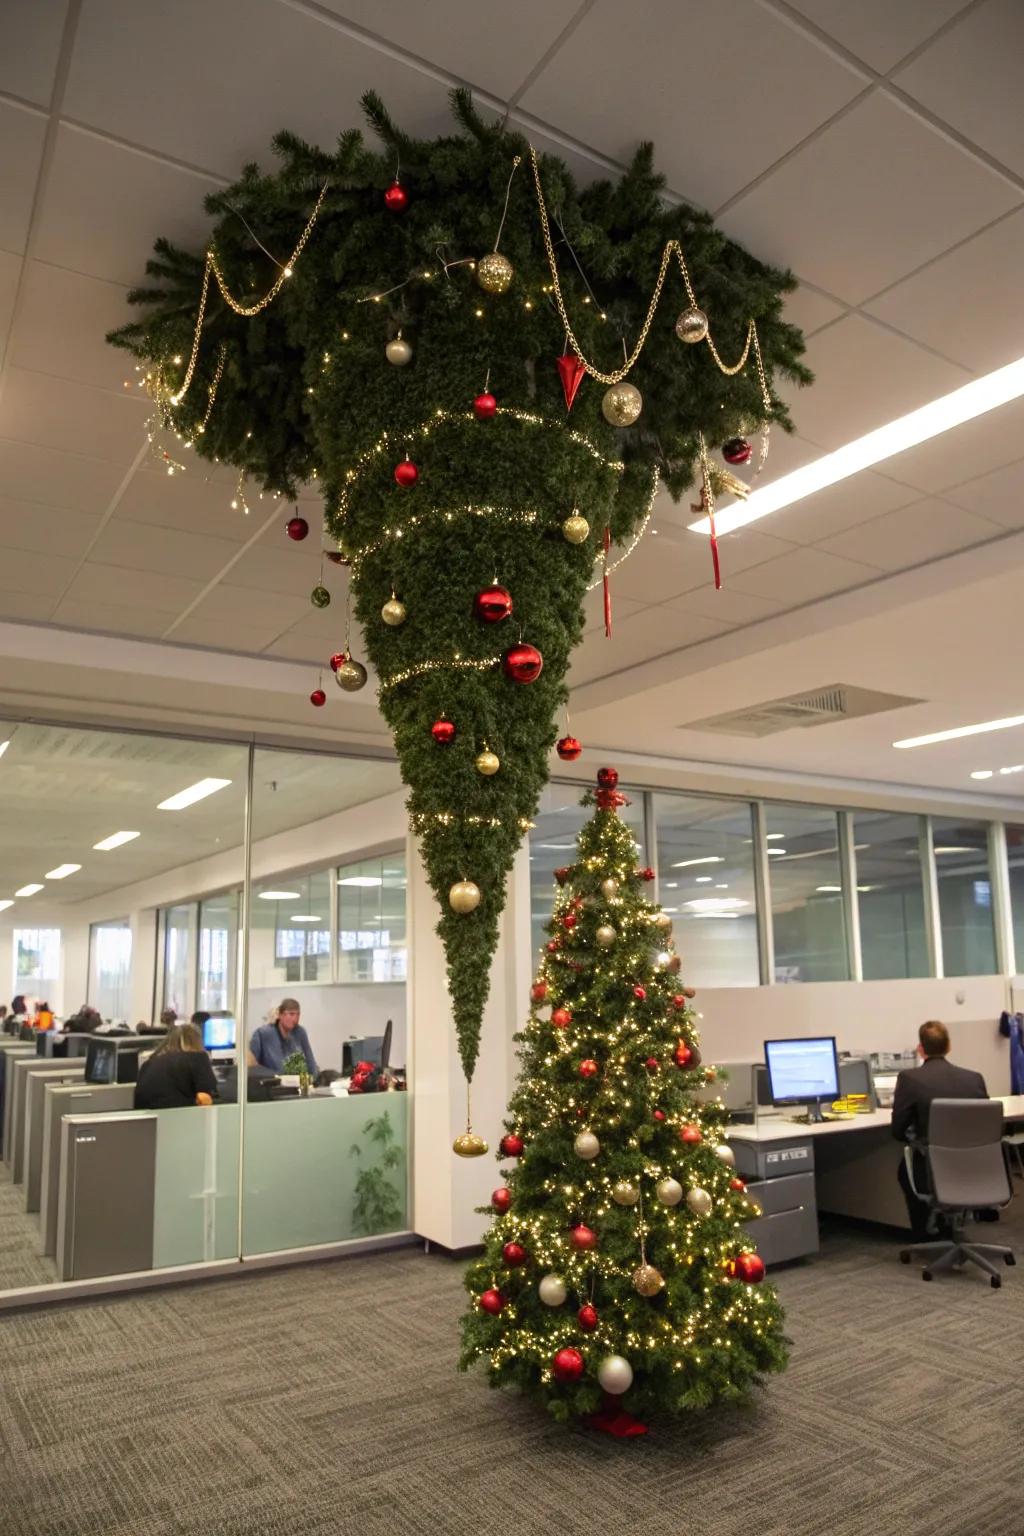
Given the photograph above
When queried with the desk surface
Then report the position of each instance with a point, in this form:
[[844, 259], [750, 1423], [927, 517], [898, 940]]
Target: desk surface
[[781, 1129]]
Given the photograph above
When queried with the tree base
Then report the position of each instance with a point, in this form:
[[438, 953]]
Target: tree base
[[612, 1419]]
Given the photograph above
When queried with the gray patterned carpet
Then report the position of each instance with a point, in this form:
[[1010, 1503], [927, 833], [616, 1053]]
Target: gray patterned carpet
[[323, 1400], [20, 1262]]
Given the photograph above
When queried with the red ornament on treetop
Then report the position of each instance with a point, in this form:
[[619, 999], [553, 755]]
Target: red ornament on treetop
[[443, 731], [296, 528], [583, 1237], [568, 748], [522, 663], [485, 406], [493, 604], [501, 1199], [406, 473], [567, 1366], [511, 1145], [318, 698], [396, 198], [513, 1255], [608, 778], [492, 1301], [570, 371]]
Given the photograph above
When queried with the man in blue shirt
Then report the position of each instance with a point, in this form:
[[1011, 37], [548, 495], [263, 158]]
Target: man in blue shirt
[[273, 1043]]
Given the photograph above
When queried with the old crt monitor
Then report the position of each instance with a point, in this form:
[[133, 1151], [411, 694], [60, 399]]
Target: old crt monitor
[[220, 1033], [803, 1072]]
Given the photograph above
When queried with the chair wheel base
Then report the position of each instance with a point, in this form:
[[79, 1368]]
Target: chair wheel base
[[904, 1256], [926, 1274], [995, 1283], [1009, 1258]]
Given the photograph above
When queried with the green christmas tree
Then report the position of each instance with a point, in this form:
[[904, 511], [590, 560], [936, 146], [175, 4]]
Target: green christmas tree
[[617, 1262]]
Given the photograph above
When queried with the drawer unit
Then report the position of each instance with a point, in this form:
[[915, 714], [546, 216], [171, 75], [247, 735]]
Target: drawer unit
[[788, 1229], [773, 1159]]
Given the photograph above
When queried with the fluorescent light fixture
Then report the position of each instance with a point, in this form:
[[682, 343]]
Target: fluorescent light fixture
[[280, 895], [307, 917], [115, 840], [3, 747], [557, 847], [713, 858], [364, 880], [769, 837], [948, 411], [1017, 768], [938, 850], [828, 888], [722, 885], [780, 853], [62, 871], [703, 879], [716, 903], [28, 890], [5, 904], [194, 792], [714, 914], [961, 730], [982, 773]]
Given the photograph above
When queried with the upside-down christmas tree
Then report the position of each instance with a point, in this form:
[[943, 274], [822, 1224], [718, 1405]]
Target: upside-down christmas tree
[[617, 1278]]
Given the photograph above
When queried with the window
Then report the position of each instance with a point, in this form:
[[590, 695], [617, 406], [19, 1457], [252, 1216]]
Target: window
[[110, 968], [37, 962], [806, 894], [890, 895], [218, 952], [706, 881], [965, 896], [371, 920], [290, 932], [559, 820], [1015, 861], [179, 927]]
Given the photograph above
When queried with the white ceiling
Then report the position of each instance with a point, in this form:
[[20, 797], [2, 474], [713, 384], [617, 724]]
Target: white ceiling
[[876, 149]]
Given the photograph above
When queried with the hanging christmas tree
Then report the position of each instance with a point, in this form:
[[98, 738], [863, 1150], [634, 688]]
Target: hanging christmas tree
[[616, 1268], [409, 330]]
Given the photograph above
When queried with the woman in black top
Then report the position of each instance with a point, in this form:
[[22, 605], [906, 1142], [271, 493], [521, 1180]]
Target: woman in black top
[[178, 1074]]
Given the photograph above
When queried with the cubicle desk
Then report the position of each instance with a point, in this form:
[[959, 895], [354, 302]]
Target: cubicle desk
[[24, 1068], [10, 1052], [73, 1071], [60, 1099]]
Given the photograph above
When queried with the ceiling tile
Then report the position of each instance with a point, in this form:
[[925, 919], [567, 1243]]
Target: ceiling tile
[[142, 547], [223, 635], [961, 454], [36, 571], [105, 205], [959, 304], [103, 588], [10, 271], [802, 576], [810, 310], [822, 516], [62, 321], [877, 31], [59, 479], [230, 75], [191, 502], [738, 551], [25, 605], [970, 77], [998, 496], [926, 530], [111, 617], [593, 606], [21, 134], [30, 34], [28, 525], [298, 646], [54, 413], [282, 567], [488, 46], [243, 605], [655, 632], [726, 605], [670, 65], [869, 199], [865, 375]]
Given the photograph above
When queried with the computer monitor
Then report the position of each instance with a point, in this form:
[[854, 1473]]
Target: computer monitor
[[803, 1072], [220, 1033], [101, 1062]]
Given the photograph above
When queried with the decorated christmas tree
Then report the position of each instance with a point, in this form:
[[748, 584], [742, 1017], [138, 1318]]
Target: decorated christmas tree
[[616, 1270]]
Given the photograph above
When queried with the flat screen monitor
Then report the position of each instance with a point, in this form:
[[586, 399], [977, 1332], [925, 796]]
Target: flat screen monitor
[[803, 1071], [101, 1062], [220, 1033]]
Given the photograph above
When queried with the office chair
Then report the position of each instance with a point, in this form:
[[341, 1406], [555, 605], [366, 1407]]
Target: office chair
[[968, 1170]]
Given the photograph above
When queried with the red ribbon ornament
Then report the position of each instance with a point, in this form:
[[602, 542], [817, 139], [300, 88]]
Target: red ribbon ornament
[[607, 589], [570, 371]]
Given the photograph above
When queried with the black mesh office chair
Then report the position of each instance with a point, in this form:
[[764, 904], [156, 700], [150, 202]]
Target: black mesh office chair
[[968, 1171]]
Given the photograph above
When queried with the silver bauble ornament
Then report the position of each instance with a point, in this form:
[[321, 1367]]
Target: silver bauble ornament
[[494, 272], [625, 1193], [586, 1146], [575, 529], [662, 921], [393, 613], [647, 1280], [692, 326], [398, 352], [606, 935], [725, 1155], [609, 889], [699, 1202], [351, 676], [551, 1290], [464, 896], [622, 404], [487, 762], [615, 1375], [669, 1191]]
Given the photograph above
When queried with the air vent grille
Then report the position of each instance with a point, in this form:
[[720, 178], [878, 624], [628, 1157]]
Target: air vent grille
[[799, 711]]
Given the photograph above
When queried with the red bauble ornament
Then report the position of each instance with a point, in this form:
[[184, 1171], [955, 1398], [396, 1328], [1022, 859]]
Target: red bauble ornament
[[690, 1135], [561, 1018], [296, 528], [568, 748], [406, 473], [659, 1114], [737, 1184], [587, 1317], [511, 1145], [493, 604], [583, 1237], [679, 1001], [501, 1199], [736, 451], [647, 874], [522, 663], [570, 370], [570, 920], [652, 1064], [443, 731], [396, 198], [640, 993], [562, 873], [553, 946], [513, 1255], [567, 1366], [682, 1055], [539, 991], [608, 778], [748, 1267], [492, 1301], [484, 406], [337, 659], [588, 1067], [318, 698]]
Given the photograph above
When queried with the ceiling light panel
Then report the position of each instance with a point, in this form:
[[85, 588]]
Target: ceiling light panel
[[62, 871], [957, 731], [115, 840], [194, 792], [28, 890]]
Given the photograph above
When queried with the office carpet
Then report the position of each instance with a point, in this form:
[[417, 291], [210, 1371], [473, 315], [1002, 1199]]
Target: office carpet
[[323, 1400], [20, 1261]]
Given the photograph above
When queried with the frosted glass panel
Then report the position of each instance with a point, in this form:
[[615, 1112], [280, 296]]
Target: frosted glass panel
[[196, 1186]]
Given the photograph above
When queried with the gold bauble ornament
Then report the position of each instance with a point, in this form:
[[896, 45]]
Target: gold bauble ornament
[[586, 1146], [662, 921], [606, 935], [692, 326], [393, 612], [699, 1201], [609, 889], [726, 1155], [494, 272], [669, 1191], [622, 404], [469, 1144], [575, 529], [487, 762], [625, 1193], [398, 352], [464, 896], [351, 676], [647, 1280]]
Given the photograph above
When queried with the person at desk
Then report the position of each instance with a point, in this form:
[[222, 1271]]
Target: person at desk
[[178, 1074], [273, 1043], [935, 1078]]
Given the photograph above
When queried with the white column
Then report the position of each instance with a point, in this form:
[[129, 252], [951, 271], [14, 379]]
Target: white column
[[446, 1188], [143, 1004], [74, 981]]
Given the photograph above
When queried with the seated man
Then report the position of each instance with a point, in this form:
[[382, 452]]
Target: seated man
[[935, 1078], [273, 1043]]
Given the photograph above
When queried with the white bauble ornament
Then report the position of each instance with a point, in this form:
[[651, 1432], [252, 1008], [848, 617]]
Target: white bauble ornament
[[625, 1192], [699, 1202], [586, 1146], [606, 935], [609, 889], [662, 922], [464, 896], [669, 1191], [615, 1375], [726, 1155], [552, 1290], [398, 352]]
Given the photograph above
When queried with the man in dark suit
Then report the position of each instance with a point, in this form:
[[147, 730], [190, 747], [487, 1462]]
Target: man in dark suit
[[935, 1078]]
